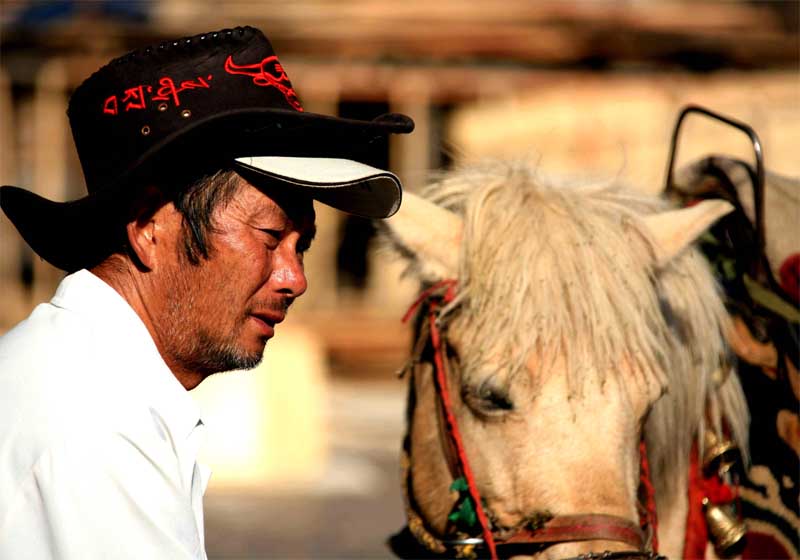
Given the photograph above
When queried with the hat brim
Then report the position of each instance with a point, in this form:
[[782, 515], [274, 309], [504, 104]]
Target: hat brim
[[344, 184], [74, 234], [69, 235]]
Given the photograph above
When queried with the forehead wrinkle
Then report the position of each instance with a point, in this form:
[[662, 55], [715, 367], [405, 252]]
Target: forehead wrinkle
[[296, 210], [264, 209], [264, 201]]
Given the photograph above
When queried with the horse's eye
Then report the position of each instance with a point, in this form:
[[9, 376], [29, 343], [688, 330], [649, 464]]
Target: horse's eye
[[488, 399]]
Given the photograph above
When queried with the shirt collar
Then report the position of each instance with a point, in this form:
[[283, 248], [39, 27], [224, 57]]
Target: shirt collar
[[119, 327]]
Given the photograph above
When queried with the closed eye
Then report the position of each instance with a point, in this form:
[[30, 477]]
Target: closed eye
[[303, 244], [272, 237]]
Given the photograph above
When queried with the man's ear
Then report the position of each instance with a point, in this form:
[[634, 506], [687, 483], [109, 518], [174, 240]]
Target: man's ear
[[145, 229]]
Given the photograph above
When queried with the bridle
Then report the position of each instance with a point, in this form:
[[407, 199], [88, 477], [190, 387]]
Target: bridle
[[530, 538]]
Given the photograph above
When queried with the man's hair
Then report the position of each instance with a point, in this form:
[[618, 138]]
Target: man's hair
[[197, 203], [196, 198]]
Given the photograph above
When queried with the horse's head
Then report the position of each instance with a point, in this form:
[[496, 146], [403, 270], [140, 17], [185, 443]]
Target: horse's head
[[579, 315]]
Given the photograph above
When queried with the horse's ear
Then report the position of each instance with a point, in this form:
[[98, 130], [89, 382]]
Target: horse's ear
[[427, 235], [675, 230]]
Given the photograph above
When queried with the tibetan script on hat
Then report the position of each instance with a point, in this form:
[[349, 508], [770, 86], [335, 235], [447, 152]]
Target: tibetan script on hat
[[267, 73], [137, 97]]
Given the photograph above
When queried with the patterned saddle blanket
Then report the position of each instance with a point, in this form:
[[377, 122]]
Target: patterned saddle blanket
[[762, 290]]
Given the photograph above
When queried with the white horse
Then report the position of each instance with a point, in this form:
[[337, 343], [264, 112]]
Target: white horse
[[581, 324]]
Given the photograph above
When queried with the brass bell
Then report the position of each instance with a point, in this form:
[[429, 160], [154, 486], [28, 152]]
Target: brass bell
[[719, 454], [725, 530]]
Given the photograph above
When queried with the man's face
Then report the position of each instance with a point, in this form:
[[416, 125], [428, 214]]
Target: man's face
[[219, 315]]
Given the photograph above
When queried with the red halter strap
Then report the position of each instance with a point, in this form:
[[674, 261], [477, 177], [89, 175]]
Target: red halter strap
[[647, 496], [586, 527], [449, 417]]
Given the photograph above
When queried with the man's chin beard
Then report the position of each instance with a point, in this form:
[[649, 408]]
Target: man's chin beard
[[210, 356]]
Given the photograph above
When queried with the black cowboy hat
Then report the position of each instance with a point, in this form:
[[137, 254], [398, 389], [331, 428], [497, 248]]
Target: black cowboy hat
[[219, 99]]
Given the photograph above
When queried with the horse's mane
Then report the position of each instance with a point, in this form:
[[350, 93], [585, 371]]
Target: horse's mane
[[569, 271]]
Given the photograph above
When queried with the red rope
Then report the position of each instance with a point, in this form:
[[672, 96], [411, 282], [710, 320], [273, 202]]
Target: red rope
[[447, 406], [448, 296], [650, 518], [452, 428]]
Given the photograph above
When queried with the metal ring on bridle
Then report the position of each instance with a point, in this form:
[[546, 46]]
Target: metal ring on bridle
[[461, 542]]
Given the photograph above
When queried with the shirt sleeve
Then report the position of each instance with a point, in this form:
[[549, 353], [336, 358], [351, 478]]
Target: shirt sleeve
[[104, 497]]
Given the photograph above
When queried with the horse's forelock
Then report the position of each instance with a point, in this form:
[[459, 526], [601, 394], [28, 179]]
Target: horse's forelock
[[547, 267]]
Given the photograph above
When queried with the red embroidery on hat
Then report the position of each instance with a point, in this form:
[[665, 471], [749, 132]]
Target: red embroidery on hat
[[190, 84], [110, 106], [267, 73], [136, 97], [168, 90]]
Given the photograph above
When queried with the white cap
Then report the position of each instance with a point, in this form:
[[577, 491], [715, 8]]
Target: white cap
[[344, 184]]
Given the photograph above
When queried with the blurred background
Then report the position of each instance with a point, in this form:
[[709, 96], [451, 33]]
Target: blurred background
[[305, 448]]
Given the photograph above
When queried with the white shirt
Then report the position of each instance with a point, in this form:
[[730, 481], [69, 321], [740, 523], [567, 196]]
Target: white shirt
[[98, 439]]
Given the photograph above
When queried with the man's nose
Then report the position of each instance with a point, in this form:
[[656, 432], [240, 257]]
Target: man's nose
[[288, 276]]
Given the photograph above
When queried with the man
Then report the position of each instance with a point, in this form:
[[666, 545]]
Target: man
[[187, 252]]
